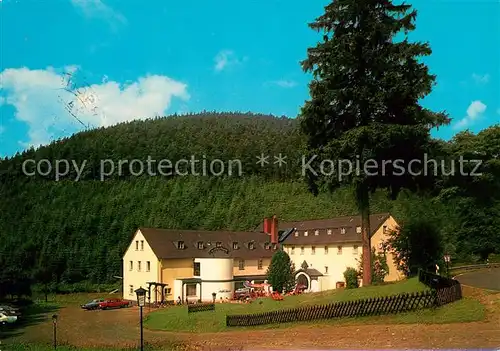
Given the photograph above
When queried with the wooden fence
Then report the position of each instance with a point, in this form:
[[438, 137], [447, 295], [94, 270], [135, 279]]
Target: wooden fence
[[366, 307], [201, 307], [447, 290]]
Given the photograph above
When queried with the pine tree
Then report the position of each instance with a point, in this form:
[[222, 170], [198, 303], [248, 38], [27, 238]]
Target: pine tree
[[280, 272], [364, 102]]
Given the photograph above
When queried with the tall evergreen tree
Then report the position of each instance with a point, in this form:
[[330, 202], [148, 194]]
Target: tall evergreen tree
[[364, 104]]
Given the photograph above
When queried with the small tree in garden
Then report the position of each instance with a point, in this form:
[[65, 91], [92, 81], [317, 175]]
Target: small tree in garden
[[417, 244], [280, 273], [351, 278], [379, 266]]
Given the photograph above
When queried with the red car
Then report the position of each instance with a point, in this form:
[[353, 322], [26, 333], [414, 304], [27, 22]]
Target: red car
[[113, 303]]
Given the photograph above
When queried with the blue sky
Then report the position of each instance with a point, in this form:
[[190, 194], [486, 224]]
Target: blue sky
[[134, 60]]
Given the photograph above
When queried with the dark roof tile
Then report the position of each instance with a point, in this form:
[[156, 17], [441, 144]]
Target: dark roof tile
[[164, 243]]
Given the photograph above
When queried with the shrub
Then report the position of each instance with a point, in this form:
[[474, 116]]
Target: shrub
[[351, 278]]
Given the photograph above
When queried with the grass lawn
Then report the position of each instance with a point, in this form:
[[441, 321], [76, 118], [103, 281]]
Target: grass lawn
[[177, 319]]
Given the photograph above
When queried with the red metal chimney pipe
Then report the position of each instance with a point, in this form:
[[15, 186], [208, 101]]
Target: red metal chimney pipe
[[267, 225], [274, 230]]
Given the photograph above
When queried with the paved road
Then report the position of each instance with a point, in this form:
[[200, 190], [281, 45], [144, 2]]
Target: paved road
[[484, 278]]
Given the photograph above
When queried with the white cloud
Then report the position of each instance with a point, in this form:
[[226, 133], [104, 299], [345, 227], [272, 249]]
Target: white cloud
[[474, 111], [97, 9], [481, 78], [225, 59], [283, 83], [44, 102]]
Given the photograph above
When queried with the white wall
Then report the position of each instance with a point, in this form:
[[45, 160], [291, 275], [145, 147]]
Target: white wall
[[133, 279], [216, 269], [336, 262]]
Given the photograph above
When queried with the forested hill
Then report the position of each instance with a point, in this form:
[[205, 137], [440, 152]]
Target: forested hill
[[78, 230]]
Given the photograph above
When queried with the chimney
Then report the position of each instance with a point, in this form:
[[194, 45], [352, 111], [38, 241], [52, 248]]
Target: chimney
[[267, 225], [274, 230]]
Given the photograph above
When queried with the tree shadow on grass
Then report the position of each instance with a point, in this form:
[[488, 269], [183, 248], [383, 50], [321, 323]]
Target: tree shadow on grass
[[30, 315]]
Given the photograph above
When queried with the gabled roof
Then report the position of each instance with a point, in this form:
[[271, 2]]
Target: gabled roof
[[164, 243], [335, 225]]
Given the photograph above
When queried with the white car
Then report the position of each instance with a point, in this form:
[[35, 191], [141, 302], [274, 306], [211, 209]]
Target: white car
[[7, 318]]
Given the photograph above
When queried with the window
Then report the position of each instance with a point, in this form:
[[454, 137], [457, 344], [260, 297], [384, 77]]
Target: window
[[200, 245], [326, 250], [190, 289], [275, 246], [326, 269], [313, 250], [358, 229], [259, 264], [306, 233], [292, 251], [316, 232], [142, 245], [241, 265], [131, 290], [148, 266], [329, 232], [355, 250], [296, 233], [218, 244], [138, 266], [339, 250], [130, 265], [180, 245], [251, 246], [137, 245], [267, 246], [236, 246], [342, 230], [196, 269], [385, 229], [381, 246], [302, 250]]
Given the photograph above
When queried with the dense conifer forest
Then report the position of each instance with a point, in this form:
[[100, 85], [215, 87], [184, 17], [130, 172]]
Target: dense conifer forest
[[75, 232]]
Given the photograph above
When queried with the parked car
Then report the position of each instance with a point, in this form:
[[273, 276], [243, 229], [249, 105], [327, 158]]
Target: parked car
[[93, 305], [113, 303], [6, 318], [10, 310], [242, 294]]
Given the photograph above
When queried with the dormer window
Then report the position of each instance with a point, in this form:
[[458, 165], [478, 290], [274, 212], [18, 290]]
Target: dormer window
[[306, 233], [385, 229], [267, 246], [342, 230], [180, 245], [236, 246], [329, 232], [275, 246], [218, 244], [251, 246], [200, 245], [296, 233], [358, 229], [316, 232]]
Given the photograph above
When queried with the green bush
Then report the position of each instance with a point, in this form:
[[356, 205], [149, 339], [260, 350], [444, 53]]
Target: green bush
[[351, 278]]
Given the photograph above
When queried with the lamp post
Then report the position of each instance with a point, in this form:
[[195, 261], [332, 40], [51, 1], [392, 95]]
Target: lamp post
[[54, 326], [141, 301], [213, 297], [447, 259]]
